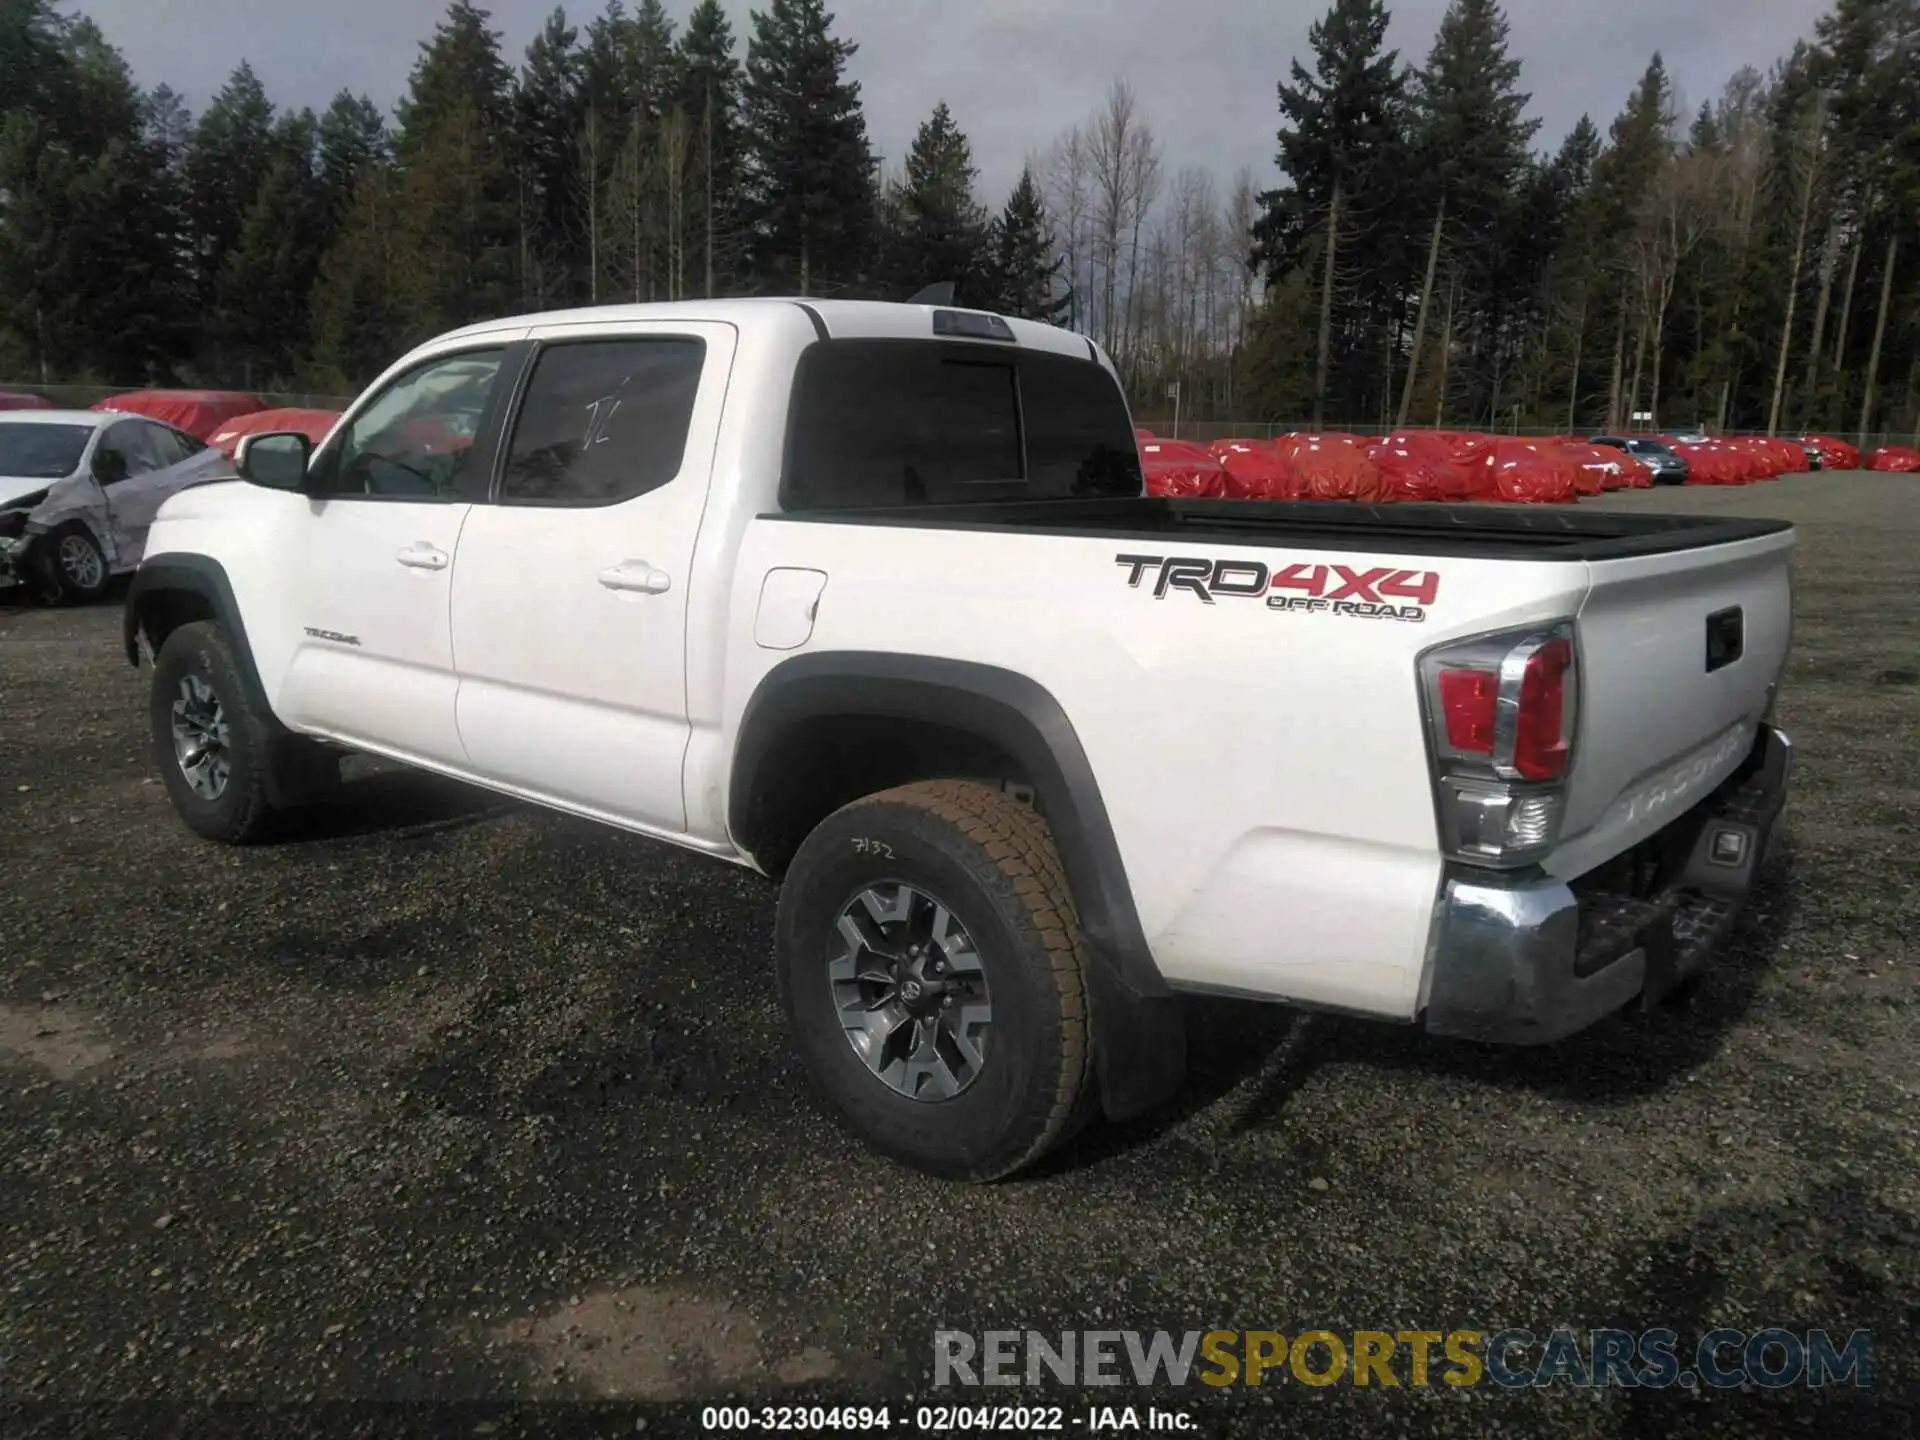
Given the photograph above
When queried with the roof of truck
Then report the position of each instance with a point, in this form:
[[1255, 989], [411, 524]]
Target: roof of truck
[[843, 319]]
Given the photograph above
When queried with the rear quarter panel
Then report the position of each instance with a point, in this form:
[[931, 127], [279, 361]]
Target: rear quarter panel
[[1265, 771]]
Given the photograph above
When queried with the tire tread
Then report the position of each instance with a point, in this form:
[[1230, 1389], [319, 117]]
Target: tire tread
[[1015, 838], [254, 816]]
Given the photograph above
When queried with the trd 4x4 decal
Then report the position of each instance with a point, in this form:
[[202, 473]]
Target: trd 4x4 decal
[[1365, 592]]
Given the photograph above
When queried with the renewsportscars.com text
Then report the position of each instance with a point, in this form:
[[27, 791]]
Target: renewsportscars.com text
[[1771, 1358]]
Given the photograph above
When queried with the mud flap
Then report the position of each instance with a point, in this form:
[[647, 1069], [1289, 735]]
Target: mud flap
[[300, 772], [1139, 1043]]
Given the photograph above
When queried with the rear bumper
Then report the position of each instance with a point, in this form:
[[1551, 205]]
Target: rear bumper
[[1527, 962]]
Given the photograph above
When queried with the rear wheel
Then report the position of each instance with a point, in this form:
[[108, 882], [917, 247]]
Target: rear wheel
[[931, 966]]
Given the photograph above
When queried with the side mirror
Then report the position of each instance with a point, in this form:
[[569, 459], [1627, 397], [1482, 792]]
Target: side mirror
[[109, 467], [276, 460]]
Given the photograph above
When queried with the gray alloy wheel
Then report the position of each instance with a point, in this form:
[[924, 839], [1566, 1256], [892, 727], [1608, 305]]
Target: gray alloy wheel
[[80, 562], [200, 738], [910, 992]]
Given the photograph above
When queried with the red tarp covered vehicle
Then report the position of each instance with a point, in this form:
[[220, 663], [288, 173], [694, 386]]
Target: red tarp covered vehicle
[[1710, 462], [20, 400], [1767, 458], [314, 424], [198, 412], [1898, 459], [1181, 469], [1835, 453], [1256, 470], [1798, 461], [1414, 460], [1601, 469], [1531, 472], [1464, 447], [1405, 473], [1332, 467]]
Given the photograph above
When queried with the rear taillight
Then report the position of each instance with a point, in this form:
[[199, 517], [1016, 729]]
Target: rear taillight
[[1500, 720]]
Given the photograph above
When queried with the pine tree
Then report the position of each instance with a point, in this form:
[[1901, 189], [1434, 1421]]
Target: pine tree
[[168, 130], [271, 270], [84, 270], [810, 171], [648, 60], [1639, 145], [226, 164], [1338, 149], [709, 95], [104, 104], [352, 137], [942, 230], [1026, 270], [640, 243], [547, 118], [1470, 152], [461, 194], [36, 74], [362, 306]]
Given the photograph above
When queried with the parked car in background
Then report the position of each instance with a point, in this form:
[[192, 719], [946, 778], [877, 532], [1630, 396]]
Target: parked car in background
[[198, 412], [314, 424], [1828, 452], [1667, 467], [1692, 434], [78, 489], [23, 400]]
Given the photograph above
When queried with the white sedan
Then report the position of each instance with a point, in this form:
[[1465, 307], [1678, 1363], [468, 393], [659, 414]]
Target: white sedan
[[79, 488]]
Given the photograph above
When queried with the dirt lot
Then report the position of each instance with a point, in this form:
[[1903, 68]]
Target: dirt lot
[[454, 1099]]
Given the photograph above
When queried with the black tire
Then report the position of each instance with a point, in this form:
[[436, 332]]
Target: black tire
[[991, 861], [90, 584], [241, 812]]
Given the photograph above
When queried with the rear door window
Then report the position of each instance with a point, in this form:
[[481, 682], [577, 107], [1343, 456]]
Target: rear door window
[[603, 421], [164, 443], [879, 423]]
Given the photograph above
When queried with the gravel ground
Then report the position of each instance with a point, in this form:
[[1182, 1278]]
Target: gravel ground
[[451, 1099]]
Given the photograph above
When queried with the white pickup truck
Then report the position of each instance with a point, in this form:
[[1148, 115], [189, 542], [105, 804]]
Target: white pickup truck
[[868, 598]]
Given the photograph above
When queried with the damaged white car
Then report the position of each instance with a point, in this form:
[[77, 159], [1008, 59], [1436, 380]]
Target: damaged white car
[[79, 488]]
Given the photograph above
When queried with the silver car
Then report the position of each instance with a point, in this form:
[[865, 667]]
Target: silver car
[[79, 488]]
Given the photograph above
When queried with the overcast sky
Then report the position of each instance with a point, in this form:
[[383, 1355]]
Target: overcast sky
[[1015, 72]]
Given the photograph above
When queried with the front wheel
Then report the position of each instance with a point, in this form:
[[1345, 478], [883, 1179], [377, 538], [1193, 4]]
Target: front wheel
[[931, 965], [211, 747], [78, 564]]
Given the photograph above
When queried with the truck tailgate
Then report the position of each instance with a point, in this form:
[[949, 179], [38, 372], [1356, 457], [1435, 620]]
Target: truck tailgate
[[1679, 656]]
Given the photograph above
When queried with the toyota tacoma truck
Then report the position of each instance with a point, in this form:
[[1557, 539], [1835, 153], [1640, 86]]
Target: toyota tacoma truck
[[868, 598]]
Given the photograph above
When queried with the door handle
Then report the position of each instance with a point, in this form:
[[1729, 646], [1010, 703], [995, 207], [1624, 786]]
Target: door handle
[[422, 556], [638, 576]]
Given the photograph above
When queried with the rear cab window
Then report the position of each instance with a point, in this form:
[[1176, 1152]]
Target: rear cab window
[[892, 423]]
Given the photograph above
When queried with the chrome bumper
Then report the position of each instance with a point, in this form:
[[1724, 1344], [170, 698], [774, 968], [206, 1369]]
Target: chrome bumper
[[1524, 962]]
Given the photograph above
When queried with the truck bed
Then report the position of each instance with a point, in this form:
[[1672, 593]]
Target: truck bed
[[1487, 532]]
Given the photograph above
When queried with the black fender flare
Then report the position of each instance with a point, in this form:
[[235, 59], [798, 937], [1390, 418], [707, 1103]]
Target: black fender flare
[[202, 576], [205, 577], [1139, 1028]]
